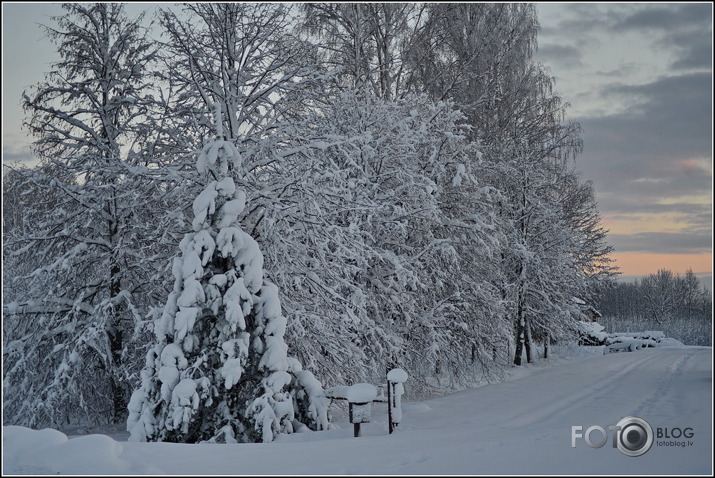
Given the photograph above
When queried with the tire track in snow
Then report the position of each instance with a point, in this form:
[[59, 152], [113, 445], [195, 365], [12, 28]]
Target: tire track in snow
[[601, 385], [663, 388]]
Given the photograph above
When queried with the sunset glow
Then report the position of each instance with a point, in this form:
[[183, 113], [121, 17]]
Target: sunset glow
[[642, 264]]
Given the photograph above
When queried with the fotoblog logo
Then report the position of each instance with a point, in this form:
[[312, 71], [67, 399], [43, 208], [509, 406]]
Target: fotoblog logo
[[633, 436]]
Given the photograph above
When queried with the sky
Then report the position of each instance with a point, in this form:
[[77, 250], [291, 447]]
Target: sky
[[638, 77], [535, 423]]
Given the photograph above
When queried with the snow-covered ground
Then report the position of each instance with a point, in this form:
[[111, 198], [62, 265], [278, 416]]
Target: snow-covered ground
[[522, 426]]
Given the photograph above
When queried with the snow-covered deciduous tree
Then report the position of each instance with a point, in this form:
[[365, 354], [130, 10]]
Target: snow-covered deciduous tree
[[366, 43], [240, 56], [480, 55], [387, 267], [540, 274], [556, 248], [590, 250], [220, 370], [476, 54], [87, 244], [242, 59]]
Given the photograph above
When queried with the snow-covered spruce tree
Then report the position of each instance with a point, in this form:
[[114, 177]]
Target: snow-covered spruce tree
[[220, 370]]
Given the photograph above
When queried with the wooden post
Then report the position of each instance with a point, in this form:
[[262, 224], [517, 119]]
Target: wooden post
[[356, 415], [391, 426]]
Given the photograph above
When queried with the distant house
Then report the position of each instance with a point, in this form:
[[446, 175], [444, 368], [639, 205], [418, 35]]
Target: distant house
[[593, 313], [589, 311]]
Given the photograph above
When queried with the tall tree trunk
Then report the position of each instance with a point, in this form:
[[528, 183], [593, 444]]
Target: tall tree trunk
[[527, 341], [115, 334], [520, 319], [546, 346], [519, 344], [519, 335]]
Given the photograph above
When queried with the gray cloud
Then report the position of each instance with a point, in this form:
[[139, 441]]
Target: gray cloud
[[662, 242], [621, 71], [624, 17], [659, 149], [694, 220], [12, 155], [586, 18], [683, 29], [566, 56], [666, 18], [673, 115], [623, 207], [694, 49], [647, 147]]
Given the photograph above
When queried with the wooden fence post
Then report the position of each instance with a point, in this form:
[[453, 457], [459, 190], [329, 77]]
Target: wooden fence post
[[389, 405], [395, 378]]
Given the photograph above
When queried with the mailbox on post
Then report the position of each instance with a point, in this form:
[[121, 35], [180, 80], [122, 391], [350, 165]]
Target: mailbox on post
[[360, 397]]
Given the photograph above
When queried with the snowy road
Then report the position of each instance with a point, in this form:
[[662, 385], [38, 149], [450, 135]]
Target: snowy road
[[523, 426]]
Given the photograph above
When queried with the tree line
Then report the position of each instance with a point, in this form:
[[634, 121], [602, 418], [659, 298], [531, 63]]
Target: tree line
[[409, 178], [677, 305]]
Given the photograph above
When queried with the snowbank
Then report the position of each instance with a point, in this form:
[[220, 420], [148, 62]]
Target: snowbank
[[631, 341], [50, 452]]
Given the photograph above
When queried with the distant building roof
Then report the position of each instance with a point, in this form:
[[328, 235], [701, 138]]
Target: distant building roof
[[586, 308]]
